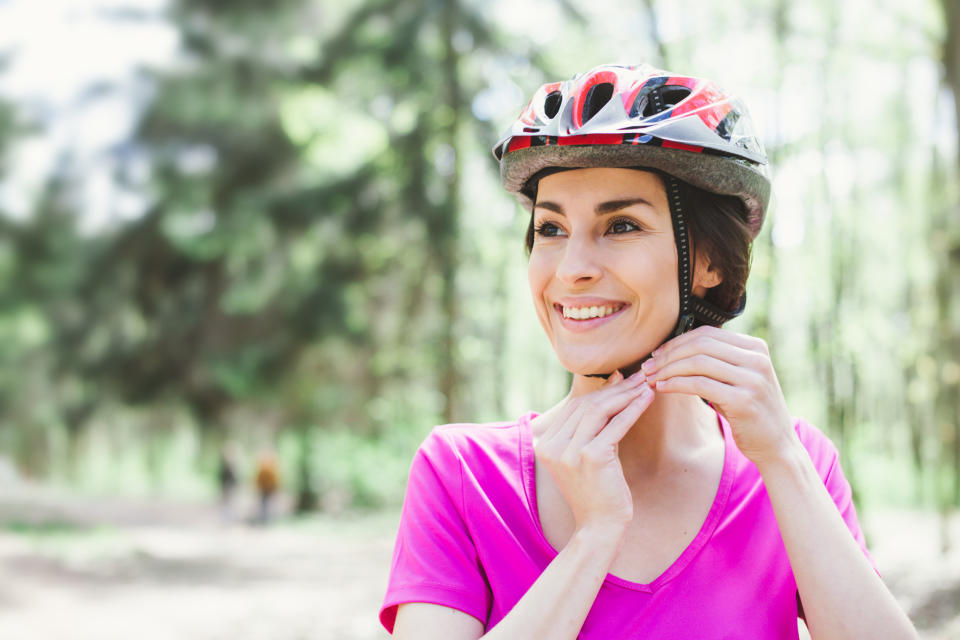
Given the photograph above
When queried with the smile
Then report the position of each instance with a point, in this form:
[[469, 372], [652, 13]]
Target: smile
[[591, 312], [586, 317]]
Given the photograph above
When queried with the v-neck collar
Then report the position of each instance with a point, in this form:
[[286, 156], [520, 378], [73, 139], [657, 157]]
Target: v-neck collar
[[528, 463]]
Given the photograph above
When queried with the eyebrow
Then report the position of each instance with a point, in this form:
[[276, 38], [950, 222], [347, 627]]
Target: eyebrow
[[601, 209]]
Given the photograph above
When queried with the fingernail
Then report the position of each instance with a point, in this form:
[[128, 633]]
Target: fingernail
[[636, 375], [648, 366]]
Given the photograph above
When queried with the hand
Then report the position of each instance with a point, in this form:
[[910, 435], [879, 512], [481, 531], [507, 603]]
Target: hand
[[580, 448], [734, 373]]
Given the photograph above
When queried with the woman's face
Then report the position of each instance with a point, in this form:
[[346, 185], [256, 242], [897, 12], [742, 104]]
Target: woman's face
[[603, 268]]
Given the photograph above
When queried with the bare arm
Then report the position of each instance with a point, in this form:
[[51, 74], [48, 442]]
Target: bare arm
[[554, 608], [557, 604], [424, 621], [842, 595]]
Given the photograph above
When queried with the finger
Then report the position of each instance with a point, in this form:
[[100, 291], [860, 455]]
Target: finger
[[743, 341], [716, 392], [618, 426], [557, 420], [708, 344], [614, 378], [567, 409], [703, 365], [595, 409], [598, 406], [588, 430]]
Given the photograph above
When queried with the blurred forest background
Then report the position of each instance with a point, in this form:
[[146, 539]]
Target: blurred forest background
[[283, 224]]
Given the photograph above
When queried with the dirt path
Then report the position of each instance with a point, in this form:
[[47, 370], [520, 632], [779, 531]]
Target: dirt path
[[104, 570]]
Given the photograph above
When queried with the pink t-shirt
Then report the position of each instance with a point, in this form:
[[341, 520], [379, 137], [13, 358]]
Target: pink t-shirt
[[470, 538]]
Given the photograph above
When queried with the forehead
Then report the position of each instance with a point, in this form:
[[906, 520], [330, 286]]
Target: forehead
[[602, 184]]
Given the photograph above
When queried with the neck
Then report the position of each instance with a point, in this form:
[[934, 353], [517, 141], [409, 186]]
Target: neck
[[673, 429]]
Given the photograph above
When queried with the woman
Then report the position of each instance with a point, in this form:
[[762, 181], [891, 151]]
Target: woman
[[670, 494]]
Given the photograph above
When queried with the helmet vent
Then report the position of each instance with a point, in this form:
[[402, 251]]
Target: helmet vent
[[673, 96], [597, 97], [726, 126], [659, 100], [551, 104]]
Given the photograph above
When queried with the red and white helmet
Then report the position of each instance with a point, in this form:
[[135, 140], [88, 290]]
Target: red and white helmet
[[639, 116]]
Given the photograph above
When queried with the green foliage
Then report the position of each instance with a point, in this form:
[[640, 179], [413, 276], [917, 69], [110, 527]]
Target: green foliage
[[363, 471], [326, 260]]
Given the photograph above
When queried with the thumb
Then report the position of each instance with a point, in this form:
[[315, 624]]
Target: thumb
[[614, 378]]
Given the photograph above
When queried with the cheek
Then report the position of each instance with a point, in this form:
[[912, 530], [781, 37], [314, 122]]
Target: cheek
[[540, 270], [538, 275], [653, 278], [668, 290], [667, 275]]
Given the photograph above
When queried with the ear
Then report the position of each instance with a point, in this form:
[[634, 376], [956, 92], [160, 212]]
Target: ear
[[705, 276]]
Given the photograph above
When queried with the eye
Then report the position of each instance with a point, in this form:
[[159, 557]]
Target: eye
[[548, 230], [623, 225]]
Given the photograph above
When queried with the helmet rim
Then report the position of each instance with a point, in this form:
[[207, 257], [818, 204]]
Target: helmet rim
[[716, 173]]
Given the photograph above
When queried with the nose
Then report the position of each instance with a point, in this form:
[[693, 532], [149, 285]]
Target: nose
[[579, 264]]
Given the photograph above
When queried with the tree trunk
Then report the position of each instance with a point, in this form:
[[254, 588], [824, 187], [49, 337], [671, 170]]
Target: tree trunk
[[946, 244], [448, 249], [766, 288], [307, 499], [653, 25], [835, 360]]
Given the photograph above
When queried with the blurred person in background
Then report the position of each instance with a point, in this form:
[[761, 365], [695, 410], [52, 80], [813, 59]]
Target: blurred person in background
[[267, 481], [670, 494], [227, 479]]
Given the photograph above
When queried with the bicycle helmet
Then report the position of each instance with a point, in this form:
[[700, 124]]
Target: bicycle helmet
[[641, 117]]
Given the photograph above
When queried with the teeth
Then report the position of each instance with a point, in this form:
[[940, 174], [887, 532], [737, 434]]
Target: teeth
[[584, 313]]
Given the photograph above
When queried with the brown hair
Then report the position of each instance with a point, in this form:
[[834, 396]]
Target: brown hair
[[718, 227]]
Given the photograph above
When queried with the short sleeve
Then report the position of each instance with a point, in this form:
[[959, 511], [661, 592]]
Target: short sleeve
[[434, 557], [826, 459]]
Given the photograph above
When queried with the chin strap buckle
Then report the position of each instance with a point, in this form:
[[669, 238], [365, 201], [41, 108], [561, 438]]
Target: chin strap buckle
[[684, 324]]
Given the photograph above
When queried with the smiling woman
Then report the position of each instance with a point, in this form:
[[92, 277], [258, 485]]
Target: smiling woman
[[670, 494]]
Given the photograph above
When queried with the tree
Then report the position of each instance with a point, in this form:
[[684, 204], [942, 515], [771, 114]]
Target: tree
[[945, 239]]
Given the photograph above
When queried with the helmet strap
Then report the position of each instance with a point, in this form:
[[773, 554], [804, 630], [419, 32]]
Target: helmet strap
[[685, 322], [694, 311]]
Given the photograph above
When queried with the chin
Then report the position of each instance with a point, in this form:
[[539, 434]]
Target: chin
[[608, 351], [586, 359], [583, 366]]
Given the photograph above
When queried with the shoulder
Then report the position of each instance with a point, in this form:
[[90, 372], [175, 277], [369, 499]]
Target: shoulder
[[473, 443]]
